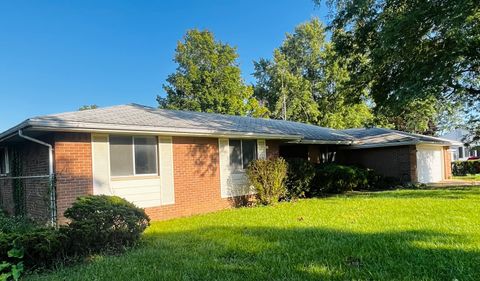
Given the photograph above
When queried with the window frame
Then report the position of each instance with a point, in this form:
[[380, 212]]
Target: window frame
[[242, 170], [157, 163]]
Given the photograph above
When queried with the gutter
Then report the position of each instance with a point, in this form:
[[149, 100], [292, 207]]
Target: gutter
[[51, 175]]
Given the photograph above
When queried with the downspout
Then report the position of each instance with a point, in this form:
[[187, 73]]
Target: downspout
[[51, 175]]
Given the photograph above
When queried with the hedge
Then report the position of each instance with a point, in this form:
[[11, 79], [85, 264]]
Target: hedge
[[462, 168]]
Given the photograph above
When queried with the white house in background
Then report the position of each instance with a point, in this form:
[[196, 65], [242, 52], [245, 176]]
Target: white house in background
[[461, 152]]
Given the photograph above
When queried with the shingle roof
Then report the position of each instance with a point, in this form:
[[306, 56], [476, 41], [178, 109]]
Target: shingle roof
[[139, 118], [142, 118], [373, 137]]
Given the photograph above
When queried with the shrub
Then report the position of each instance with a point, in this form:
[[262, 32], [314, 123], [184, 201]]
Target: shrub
[[268, 176], [15, 224], [42, 247], [300, 174], [334, 178], [104, 222], [462, 168]]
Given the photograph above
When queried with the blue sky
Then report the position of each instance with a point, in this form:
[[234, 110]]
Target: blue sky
[[56, 56]]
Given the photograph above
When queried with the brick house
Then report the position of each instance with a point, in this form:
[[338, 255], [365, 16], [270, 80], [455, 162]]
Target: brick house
[[179, 163]]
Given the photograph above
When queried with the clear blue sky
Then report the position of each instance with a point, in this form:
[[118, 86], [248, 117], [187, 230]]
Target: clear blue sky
[[56, 56]]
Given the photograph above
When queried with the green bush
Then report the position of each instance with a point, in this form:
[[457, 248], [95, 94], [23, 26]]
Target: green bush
[[15, 224], [300, 174], [462, 168], [98, 223], [268, 178], [104, 222], [334, 178], [42, 247]]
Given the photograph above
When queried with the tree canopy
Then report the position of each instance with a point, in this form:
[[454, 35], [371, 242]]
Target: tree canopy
[[305, 82], [208, 78], [410, 53]]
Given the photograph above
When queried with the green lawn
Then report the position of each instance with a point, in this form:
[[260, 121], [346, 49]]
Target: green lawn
[[470, 177], [397, 235]]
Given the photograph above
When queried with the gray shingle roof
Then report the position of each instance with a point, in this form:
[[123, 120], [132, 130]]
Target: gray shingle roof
[[142, 118], [379, 137], [138, 118]]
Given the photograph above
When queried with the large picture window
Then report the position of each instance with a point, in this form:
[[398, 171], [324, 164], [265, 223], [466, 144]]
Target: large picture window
[[130, 156], [242, 152]]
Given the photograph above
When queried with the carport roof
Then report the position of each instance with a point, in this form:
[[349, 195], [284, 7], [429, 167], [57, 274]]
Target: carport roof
[[380, 137]]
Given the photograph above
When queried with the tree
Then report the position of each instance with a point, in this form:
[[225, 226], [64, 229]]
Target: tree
[[410, 51], [304, 82], [208, 79], [88, 107]]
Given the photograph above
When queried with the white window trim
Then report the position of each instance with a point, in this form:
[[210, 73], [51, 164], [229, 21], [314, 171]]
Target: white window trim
[[133, 158]]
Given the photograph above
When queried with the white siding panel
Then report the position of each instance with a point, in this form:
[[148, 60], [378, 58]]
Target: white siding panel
[[167, 187], [232, 184], [261, 149], [224, 159], [142, 192], [100, 164]]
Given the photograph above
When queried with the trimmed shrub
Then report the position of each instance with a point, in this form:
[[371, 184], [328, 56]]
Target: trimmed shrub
[[268, 176], [100, 222], [334, 178], [300, 175], [462, 168]]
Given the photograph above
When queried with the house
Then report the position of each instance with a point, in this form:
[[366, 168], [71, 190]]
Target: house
[[460, 151], [179, 163]]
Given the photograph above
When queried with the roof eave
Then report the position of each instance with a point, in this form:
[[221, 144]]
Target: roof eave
[[403, 143], [167, 131]]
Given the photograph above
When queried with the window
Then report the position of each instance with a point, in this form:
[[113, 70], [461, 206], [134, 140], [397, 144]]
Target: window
[[460, 152], [242, 152], [131, 156], [3, 161]]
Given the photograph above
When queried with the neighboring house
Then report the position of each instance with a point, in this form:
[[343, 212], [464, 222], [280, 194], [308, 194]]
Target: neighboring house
[[459, 150], [179, 163]]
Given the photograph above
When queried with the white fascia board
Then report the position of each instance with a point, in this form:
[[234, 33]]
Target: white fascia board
[[177, 132]]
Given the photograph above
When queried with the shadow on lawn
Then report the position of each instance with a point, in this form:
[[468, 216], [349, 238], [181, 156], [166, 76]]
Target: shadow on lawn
[[257, 253]]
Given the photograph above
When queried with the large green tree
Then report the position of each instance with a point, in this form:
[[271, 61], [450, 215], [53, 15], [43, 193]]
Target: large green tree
[[305, 81], [208, 79], [410, 53]]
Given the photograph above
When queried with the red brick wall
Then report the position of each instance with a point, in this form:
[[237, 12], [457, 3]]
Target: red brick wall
[[197, 178], [196, 174], [273, 148], [33, 161], [73, 169], [447, 157]]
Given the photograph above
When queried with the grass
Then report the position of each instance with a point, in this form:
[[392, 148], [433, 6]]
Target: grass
[[394, 235], [469, 177]]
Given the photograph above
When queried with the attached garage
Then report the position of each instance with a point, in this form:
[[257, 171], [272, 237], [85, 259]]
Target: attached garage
[[408, 157]]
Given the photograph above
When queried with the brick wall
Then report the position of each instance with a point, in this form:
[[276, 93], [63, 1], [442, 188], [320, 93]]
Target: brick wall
[[73, 169], [399, 161], [196, 175], [32, 159], [197, 179], [447, 157]]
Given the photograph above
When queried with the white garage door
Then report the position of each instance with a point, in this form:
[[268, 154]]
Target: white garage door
[[429, 164]]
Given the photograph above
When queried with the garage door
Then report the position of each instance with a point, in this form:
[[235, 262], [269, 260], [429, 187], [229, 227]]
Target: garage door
[[429, 164]]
